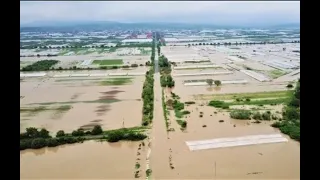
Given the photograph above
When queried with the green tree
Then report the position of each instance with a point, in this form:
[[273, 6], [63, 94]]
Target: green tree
[[96, 130], [209, 82], [60, 133], [217, 82], [44, 133]]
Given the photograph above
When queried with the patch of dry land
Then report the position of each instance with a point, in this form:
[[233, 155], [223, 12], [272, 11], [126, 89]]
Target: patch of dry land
[[264, 161]]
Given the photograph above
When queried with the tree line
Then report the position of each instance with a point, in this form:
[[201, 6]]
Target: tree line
[[132, 45], [148, 92], [290, 124], [36, 139], [240, 43]]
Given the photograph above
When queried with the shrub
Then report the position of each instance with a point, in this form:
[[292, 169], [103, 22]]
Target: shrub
[[38, 143], [88, 133], [225, 106], [114, 136], [134, 65], [96, 130], [217, 104], [266, 116], [78, 132], [134, 136], [60, 133], [184, 124], [190, 102], [240, 114], [52, 142], [185, 112], [289, 86], [256, 116], [291, 113], [32, 132], [247, 99], [25, 144], [277, 124], [294, 102], [178, 105], [44, 133]]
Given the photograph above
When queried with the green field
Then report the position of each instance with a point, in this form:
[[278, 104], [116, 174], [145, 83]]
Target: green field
[[108, 62], [276, 73], [256, 95]]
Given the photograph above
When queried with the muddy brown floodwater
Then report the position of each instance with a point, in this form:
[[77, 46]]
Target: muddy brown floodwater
[[89, 160]]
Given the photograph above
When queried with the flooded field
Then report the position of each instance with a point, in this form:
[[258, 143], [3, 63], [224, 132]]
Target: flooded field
[[89, 160], [265, 161], [82, 102]]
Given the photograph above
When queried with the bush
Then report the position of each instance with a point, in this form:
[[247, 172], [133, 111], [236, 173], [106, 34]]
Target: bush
[[291, 113], [60, 133], [184, 124], [38, 143], [178, 105], [96, 130], [44, 133], [78, 132], [217, 104], [118, 135], [125, 66], [289, 86], [240, 114], [256, 116], [266, 116], [52, 142], [294, 102], [32, 132], [190, 102], [134, 65], [185, 112], [134, 136], [115, 136]]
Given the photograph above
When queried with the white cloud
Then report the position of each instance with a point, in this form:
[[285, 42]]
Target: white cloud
[[162, 11]]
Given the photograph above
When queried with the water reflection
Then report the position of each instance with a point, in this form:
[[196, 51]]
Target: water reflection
[[217, 88]]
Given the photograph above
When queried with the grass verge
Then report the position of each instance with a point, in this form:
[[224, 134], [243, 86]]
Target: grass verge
[[256, 95]]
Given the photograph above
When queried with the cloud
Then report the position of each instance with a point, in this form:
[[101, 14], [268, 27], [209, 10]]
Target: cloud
[[162, 11]]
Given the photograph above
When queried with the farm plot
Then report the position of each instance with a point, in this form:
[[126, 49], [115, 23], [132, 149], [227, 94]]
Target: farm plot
[[90, 101], [108, 62]]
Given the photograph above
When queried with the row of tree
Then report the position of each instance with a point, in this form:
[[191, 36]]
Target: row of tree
[[86, 47], [236, 43], [35, 139], [211, 81], [147, 92]]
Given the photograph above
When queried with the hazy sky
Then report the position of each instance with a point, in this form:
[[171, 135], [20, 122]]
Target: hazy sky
[[257, 12]]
